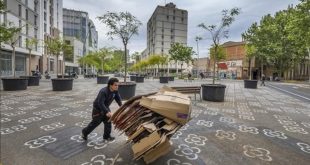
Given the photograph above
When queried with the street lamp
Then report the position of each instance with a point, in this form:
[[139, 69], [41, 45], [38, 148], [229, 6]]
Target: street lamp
[[197, 39]]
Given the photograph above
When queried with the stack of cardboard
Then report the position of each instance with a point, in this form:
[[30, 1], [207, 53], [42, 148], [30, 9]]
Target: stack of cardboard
[[150, 120]]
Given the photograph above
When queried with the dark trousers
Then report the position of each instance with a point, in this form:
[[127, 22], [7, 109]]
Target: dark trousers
[[97, 118]]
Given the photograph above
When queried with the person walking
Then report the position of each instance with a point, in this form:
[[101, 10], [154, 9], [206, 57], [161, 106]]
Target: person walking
[[263, 80], [101, 111]]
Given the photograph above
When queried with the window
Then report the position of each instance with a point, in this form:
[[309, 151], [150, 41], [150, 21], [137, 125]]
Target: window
[[27, 29], [167, 17], [162, 36], [172, 37], [20, 41], [162, 43], [20, 23], [182, 19], [173, 17], [172, 30], [20, 10], [45, 5], [45, 27], [35, 5], [26, 14], [35, 20], [44, 16]]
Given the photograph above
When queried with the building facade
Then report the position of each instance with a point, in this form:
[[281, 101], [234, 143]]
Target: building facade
[[166, 26], [77, 24], [71, 60], [38, 19]]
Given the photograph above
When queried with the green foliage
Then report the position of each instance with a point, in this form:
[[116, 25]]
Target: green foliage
[[122, 25], [281, 40], [220, 54], [179, 52]]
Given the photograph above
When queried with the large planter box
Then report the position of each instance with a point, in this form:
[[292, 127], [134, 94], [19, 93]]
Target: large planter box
[[163, 79], [139, 79], [127, 90], [14, 84], [213, 92], [65, 76], [133, 78], [252, 84], [102, 79], [171, 78], [62, 84], [32, 80]]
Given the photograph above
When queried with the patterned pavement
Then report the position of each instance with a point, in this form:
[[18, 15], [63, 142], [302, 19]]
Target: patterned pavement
[[262, 126]]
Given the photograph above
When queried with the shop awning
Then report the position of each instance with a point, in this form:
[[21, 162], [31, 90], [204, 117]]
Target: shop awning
[[222, 66]]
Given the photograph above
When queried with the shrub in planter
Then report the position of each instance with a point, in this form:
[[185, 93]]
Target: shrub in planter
[[213, 92], [127, 90], [62, 84]]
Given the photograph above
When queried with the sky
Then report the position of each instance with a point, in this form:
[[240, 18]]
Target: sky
[[199, 11]]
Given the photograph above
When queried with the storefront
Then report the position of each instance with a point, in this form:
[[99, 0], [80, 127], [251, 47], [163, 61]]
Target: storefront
[[6, 63]]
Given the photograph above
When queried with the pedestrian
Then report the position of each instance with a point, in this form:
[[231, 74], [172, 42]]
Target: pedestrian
[[101, 111], [263, 80]]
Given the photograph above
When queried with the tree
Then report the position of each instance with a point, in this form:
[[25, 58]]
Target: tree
[[55, 47], [179, 52], [136, 57], [155, 60], [220, 31], [30, 44], [122, 25]]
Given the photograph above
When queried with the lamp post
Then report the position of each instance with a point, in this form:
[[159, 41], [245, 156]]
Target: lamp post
[[197, 38]]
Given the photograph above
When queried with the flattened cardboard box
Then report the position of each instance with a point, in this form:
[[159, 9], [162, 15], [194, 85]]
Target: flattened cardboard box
[[172, 105]]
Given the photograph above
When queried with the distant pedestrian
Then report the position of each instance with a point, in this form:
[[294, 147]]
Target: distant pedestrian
[[101, 111], [263, 80]]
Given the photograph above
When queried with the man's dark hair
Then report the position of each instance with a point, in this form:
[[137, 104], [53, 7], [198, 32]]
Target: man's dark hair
[[112, 81]]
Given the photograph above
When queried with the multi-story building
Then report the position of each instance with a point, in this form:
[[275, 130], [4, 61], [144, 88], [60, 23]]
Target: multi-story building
[[236, 63], [71, 60], [39, 19], [166, 26], [77, 24]]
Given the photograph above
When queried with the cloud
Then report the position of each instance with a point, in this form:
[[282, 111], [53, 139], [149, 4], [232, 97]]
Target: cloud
[[199, 11]]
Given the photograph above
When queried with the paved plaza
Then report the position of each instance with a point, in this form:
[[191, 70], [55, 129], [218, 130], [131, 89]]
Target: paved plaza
[[252, 127]]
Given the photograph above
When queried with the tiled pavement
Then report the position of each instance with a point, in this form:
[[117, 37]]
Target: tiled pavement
[[262, 126]]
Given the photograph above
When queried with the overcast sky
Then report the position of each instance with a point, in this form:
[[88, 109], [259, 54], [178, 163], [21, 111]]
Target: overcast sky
[[199, 11]]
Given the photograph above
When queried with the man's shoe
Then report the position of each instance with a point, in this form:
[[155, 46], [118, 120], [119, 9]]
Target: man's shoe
[[84, 137], [109, 138]]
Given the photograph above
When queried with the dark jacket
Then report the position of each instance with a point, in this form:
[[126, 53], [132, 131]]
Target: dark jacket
[[104, 100]]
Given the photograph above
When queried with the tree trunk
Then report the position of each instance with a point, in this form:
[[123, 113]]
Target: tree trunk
[[215, 53], [29, 62], [13, 61], [125, 62], [262, 68], [250, 68], [57, 65], [181, 70], [62, 67]]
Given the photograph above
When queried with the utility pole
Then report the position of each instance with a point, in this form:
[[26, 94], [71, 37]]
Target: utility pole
[[197, 38]]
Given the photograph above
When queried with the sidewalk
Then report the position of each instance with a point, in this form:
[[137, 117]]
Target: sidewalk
[[252, 126]]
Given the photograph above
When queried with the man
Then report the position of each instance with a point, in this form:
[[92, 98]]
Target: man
[[263, 80], [101, 111]]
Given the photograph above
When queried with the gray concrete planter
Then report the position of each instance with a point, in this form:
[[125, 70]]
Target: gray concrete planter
[[127, 90], [14, 84], [32, 80], [163, 79], [213, 92], [252, 84], [102, 79], [139, 79], [62, 84]]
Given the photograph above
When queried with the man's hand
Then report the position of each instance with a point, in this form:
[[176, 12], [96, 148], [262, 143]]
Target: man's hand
[[109, 114]]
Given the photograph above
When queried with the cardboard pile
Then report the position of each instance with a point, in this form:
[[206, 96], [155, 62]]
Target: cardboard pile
[[150, 120]]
